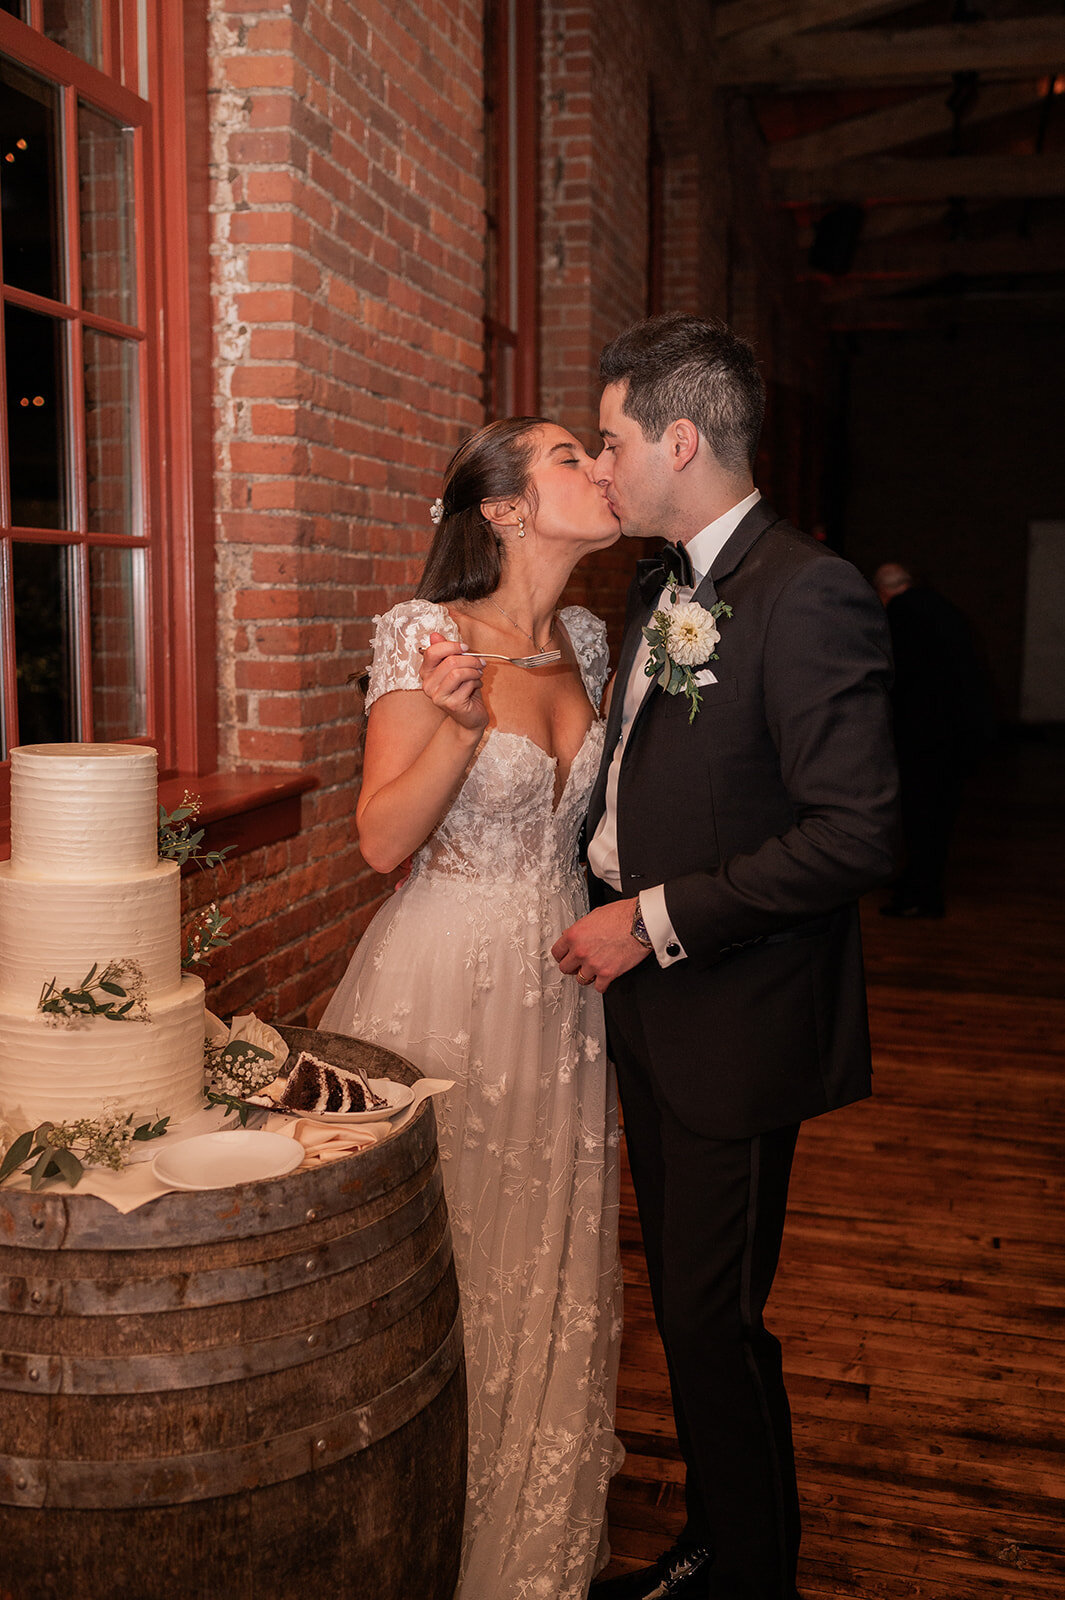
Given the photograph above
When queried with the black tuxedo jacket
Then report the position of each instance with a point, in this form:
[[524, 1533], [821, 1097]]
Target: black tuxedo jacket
[[765, 818]]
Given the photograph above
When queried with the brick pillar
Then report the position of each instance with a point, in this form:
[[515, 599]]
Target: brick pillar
[[348, 221]]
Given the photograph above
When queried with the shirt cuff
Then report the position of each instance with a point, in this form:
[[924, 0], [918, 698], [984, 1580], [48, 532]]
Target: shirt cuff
[[667, 946]]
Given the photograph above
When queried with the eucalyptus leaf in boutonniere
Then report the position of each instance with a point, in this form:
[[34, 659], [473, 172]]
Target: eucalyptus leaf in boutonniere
[[682, 641]]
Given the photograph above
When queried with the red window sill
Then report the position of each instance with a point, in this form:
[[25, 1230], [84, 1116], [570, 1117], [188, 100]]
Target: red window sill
[[242, 809]]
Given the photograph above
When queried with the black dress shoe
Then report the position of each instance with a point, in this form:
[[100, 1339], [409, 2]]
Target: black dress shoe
[[683, 1573]]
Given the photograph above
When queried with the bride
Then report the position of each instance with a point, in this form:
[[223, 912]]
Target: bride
[[481, 769]]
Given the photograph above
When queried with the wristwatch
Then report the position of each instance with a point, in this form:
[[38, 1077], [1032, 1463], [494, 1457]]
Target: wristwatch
[[639, 927]]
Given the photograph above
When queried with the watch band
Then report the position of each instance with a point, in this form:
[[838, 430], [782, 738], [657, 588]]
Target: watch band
[[639, 927]]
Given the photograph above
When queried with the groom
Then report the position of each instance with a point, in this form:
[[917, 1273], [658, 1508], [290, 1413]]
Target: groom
[[730, 838]]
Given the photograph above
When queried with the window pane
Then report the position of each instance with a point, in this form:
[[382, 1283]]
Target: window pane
[[34, 359], [35, 362], [105, 187], [15, 8], [110, 395], [116, 605], [28, 182], [75, 24], [44, 654]]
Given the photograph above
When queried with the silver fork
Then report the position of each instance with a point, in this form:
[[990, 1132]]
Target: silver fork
[[542, 658]]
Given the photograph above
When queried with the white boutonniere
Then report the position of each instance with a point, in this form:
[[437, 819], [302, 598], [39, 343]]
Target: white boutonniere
[[682, 640]]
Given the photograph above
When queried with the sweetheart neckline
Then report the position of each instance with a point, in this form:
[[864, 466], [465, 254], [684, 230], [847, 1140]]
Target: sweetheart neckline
[[524, 738]]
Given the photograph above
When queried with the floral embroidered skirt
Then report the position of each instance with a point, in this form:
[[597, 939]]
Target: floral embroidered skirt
[[456, 975]]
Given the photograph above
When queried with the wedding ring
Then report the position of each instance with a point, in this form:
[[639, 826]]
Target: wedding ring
[[581, 979]]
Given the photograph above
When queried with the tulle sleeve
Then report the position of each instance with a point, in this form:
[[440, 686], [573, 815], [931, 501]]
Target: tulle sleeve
[[588, 634], [400, 637]]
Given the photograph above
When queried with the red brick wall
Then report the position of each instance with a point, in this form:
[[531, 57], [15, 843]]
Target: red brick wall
[[347, 201], [602, 65]]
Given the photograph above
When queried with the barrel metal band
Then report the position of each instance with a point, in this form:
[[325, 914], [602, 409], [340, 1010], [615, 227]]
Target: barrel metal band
[[182, 1291], [177, 1480], [29, 1373]]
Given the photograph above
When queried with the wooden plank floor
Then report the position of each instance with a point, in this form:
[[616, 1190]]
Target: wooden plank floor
[[921, 1295]]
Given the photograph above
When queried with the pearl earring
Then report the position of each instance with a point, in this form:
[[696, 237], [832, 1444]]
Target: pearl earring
[[521, 527]]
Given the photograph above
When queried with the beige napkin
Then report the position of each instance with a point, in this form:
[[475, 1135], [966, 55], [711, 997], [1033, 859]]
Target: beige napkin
[[328, 1141], [322, 1143]]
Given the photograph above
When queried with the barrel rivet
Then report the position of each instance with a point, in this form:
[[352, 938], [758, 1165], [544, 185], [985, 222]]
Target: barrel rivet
[[312, 1215], [312, 1338], [320, 1445], [20, 1483], [38, 1223], [310, 1264], [36, 1297], [34, 1375]]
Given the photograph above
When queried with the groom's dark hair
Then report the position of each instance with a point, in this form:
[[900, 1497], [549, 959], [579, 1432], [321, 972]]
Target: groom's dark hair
[[677, 366]]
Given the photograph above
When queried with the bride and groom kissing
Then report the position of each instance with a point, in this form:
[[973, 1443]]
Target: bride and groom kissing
[[732, 793]]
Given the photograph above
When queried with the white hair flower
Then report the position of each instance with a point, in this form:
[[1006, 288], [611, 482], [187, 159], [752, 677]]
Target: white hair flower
[[436, 512], [692, 635]]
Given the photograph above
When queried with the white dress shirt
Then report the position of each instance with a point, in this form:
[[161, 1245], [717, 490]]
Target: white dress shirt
[[703, 551]]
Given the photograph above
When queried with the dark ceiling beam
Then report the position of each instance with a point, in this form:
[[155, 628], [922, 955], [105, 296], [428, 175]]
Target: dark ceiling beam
[[1018, 48], [943, 311], [927, 258], [895, 125], [991, 177], [764, 20]]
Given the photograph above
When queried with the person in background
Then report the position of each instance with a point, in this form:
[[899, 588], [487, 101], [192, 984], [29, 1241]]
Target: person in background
[[942, 718]]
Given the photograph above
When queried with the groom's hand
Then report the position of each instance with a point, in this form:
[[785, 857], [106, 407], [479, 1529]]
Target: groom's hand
[[600, 947]]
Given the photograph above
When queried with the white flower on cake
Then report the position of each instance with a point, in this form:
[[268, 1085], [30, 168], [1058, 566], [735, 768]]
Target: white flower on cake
[[692, 635]]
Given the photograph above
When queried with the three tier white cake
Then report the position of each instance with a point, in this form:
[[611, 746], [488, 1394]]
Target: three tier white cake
[[85, 888]]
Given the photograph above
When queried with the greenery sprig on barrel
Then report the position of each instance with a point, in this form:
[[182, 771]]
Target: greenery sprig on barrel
[[62, 1150]]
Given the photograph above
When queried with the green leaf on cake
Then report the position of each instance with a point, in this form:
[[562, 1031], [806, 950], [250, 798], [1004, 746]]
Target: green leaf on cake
[[69, 1166], [17, 1154], [150, 1130], [41, 1168]]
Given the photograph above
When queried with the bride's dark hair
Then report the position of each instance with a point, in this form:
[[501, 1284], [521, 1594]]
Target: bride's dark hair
[[465, 560]]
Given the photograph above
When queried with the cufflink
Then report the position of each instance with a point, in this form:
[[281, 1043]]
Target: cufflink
[[673, 948]]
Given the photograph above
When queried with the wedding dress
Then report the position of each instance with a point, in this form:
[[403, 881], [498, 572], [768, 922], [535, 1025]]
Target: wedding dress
[[455, 973]]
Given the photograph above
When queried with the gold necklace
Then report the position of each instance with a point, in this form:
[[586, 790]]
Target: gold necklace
[[520, 629]]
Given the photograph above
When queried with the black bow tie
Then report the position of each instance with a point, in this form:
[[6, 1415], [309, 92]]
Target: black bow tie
[[672, 564]]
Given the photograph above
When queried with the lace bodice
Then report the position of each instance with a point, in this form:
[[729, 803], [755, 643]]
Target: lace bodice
[[503, 825]]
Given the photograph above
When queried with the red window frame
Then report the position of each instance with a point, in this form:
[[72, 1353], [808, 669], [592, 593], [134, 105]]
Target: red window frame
[[512, 116], [168, 43]]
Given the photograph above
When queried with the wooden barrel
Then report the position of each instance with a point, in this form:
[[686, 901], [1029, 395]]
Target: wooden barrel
[[250, 1393]]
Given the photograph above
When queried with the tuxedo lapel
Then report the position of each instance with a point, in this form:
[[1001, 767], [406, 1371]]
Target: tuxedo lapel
[[629, 646], [760, 517]]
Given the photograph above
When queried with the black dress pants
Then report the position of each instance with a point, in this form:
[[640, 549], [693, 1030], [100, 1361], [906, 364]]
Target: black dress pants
[[712, 1214], [930, 791]]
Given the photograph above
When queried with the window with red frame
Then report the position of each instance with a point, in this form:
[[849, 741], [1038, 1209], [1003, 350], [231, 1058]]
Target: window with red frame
[[512, 81], [96, 572]]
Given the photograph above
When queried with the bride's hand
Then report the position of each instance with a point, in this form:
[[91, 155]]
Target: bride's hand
[[451, 677]]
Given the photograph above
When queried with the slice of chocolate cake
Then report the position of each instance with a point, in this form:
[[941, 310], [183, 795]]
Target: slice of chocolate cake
[[315, 1086]]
